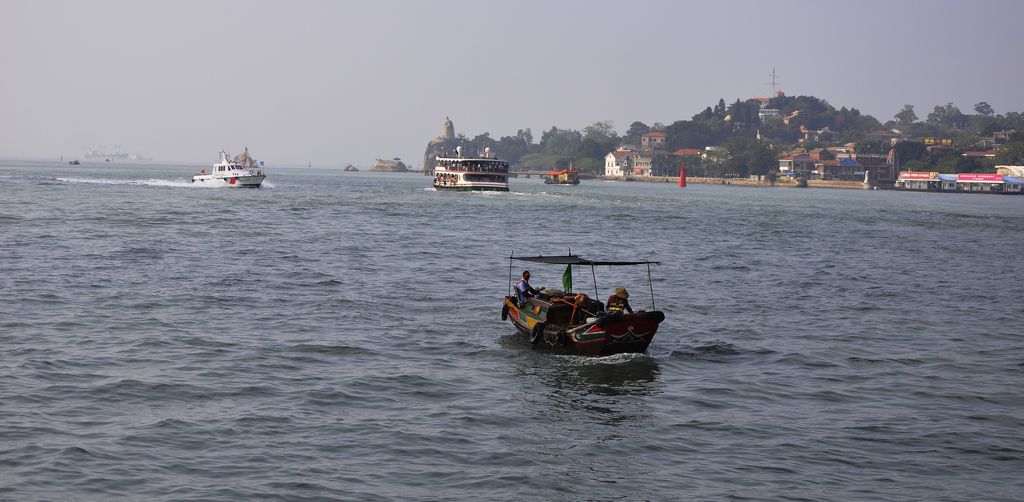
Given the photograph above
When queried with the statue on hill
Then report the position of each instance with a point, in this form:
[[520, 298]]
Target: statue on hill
[[448, 129]]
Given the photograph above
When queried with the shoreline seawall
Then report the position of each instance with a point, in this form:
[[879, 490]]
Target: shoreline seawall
[[779, 183]]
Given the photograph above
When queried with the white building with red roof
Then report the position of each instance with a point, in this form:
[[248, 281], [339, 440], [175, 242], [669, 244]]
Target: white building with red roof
[[620, 163]]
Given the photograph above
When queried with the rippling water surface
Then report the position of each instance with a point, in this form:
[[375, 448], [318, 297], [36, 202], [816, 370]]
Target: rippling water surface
[[336, 336]]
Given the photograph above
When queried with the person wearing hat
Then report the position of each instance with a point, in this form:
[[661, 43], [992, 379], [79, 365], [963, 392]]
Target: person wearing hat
[[619, 302], [523, 289]]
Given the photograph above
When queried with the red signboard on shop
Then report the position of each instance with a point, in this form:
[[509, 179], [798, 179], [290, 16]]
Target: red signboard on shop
[[918, 175], [987, 178]]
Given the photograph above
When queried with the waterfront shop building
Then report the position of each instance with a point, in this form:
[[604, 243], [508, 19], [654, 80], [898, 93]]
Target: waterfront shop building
[[926, 181], [1015, 171], [988, 183], [1013, 185]]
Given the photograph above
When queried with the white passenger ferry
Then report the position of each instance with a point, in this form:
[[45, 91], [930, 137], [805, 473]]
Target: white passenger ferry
[[242, 171], [483, 173]]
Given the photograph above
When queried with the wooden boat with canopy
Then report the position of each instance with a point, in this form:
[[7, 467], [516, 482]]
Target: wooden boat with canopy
[[563, 177], [576, 322]]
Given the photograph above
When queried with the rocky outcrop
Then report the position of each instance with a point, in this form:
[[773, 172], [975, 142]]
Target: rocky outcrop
[[438, 147], [394, 165], [445, 145], [442, 145]]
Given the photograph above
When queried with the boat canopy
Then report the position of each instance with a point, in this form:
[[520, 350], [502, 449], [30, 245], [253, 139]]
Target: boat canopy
[[576, 260], [571, 259]]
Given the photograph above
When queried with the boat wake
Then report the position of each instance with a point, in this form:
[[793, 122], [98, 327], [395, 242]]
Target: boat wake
[[624, 358], [152, 182]]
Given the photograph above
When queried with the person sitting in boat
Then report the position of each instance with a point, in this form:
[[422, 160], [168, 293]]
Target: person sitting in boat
[[523, 288], [619, 302]]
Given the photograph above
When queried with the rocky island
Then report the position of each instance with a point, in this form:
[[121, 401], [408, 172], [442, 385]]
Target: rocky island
[[394, 165]]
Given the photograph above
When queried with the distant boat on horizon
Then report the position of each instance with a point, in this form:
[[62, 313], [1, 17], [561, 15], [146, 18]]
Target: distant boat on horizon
[[101, 153]]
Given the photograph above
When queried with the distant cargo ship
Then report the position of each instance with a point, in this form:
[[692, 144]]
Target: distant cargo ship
[[103, 154]]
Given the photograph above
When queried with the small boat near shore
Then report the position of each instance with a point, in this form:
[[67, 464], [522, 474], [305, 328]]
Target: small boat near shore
[[242, 171], [563, 177], [483, 173], [575, 322]]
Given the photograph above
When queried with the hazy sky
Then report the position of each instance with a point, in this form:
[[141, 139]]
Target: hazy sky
[[338, 82]]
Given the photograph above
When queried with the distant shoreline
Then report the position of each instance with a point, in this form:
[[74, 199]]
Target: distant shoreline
[[779, 183]]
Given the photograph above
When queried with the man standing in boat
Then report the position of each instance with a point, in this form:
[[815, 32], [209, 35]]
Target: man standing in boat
[[523, 288]]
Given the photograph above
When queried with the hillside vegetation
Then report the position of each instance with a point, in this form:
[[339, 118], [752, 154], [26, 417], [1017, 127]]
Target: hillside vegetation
[[735, 128]]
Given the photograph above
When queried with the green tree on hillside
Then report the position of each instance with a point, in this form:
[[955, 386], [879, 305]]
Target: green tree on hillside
[[512, 148], [720, 108], [599, 138], [744, 113], [664, 164], [636, 129], [748, 156], [947, 116], [906, 115], [984, 109], [483, 141], [1011, 153], [907, 152], [557, 141]]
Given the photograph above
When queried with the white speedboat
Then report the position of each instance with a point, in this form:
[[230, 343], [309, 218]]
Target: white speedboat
[[242, 171], [483, 173]]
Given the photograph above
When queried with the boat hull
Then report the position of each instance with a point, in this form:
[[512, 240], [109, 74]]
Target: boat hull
[[545, 323], [472, 188], [253, 181]]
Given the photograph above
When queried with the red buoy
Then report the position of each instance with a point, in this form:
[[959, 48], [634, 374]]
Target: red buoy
[[682, 175]]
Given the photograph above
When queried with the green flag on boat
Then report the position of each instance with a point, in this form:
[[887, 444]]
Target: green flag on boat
[[567, 279]]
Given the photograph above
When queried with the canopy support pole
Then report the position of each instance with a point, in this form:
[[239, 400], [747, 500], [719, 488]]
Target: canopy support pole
[[651, 283], [510, 272], [597, 295]]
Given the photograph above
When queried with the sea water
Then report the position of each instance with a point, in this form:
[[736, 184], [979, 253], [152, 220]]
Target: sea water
[[336, 335]]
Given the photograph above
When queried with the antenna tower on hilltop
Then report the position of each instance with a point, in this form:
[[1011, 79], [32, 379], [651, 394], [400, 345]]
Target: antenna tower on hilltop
[[774, 82]]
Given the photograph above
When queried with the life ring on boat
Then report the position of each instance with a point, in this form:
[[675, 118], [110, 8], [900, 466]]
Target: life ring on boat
[[537, 334], [252, 173], [504, 312]]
